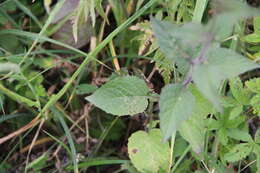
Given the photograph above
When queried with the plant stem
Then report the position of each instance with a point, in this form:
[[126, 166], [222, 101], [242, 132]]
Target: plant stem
[[171, 156], [181, 158]]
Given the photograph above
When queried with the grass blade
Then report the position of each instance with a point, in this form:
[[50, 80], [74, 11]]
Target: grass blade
[[199, 10], [69, 137]]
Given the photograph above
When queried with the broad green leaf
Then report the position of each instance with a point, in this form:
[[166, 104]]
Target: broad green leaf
[[239, 135], [147, 151], [121, 96], [228, 13], [194, 129], [239, 152], [235, 112], [221, 64], [252, 38], [176, 105], [178, 43]]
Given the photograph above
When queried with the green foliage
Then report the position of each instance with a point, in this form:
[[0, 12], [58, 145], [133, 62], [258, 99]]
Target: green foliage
[[122, 96], [186, 84], [254, 86], [239, 152], [39, 163], [176, 105], [85, 89], [208, 76], [148, 153], [194, 129]]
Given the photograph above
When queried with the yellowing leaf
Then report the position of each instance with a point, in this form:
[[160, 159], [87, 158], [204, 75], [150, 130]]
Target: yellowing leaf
[[148, 153]]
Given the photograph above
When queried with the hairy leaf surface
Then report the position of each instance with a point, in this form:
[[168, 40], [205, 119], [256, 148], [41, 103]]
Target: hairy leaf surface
[[121, 96], [176, 105], [221, 64]]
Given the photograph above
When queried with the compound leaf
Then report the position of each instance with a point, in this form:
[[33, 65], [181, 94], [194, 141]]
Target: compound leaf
[[239, 152], [238, 91], [254, 85]]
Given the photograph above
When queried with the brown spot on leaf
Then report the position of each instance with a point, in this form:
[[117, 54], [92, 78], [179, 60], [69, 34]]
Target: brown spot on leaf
[[135, 150]]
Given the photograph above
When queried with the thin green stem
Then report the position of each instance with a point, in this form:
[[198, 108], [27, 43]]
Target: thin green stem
[[17, 97], [172, 146], [181, 158]]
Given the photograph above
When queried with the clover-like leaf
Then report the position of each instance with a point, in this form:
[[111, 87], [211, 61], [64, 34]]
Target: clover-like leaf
[[238, 91], [239, 152], [254, 85], [148, 153], [121, 96], [176, 105]]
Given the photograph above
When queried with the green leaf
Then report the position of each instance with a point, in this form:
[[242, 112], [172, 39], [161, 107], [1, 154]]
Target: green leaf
[[178, 43], [176, 105], [239, 152], [255, 103], [254, 85], [228, 13], [148, 153], [194, 129], [221, 64], [239, 93], [222, 135], [121, 96], [257, 136], [235, 112], [239, 135], [252, 38], [257, 25], [228, 101], [85, 89], [258, 160]]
